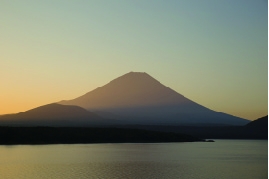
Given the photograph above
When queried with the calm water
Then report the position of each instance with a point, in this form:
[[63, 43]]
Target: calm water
[[224, 159]]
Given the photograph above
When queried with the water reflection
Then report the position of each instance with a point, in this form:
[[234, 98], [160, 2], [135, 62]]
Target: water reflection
[[222, 159]]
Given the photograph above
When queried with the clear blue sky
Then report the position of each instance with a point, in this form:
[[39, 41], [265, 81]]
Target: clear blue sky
[[213, 52]]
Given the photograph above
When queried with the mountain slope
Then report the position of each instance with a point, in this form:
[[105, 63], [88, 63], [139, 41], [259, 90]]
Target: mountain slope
[[140, 99], [53, 115], [130, 90], [261, 123]]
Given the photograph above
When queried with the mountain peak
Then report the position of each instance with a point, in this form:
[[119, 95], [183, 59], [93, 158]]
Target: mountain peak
[[136, 75], [135, 79], [134, 89]]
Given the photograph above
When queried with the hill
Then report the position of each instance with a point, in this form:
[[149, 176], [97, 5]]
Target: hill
[[261, 123], [54, 115]]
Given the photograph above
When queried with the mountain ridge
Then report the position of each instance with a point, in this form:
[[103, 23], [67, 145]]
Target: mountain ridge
[[260, 123], [54, 115]]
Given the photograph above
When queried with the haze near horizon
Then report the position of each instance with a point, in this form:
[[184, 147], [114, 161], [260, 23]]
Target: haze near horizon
[[212, 52]]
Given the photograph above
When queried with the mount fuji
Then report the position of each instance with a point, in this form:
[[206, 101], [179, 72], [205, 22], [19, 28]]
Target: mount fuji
[[138, 98]]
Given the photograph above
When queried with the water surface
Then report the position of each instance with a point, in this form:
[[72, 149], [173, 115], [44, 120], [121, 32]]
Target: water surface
[[223, 159]]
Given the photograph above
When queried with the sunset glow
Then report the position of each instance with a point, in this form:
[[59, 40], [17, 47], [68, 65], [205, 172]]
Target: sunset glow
[[212, 52]]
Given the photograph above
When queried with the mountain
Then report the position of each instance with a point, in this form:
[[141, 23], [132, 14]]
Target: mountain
[[261, 123], [54, 115], [138, 98]]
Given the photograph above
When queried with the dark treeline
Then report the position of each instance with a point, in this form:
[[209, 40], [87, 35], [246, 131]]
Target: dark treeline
[[73, 135], [216, 132], [257, 129]]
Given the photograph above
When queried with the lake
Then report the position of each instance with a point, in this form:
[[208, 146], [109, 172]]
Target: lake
[[223, 159]]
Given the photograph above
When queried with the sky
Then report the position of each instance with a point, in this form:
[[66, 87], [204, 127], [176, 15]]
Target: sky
[[212, 52]]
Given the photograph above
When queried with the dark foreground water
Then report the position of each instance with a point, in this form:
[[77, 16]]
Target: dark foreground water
[[223, 159]]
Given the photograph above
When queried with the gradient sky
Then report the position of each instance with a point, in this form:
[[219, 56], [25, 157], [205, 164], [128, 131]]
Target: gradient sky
[[213, 52]]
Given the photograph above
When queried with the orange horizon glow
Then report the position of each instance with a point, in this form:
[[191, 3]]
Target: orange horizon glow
[[213, 52]]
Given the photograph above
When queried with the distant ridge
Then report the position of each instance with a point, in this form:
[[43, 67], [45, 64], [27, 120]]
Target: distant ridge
[[261, 123], [53, 115], [138, 98]]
